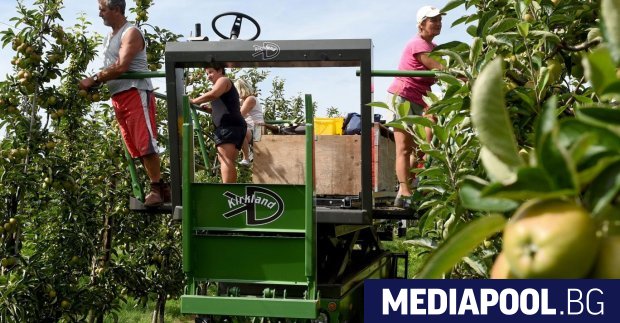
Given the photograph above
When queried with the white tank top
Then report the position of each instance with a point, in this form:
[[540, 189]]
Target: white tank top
[[255, 116], [112, 46]]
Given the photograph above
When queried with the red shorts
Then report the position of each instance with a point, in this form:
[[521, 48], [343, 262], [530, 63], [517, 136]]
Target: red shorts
[[135, 113]]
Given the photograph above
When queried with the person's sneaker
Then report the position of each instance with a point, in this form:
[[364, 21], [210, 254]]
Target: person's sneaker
[[403, 202], [245, 163], [165, 191], [251, 156], [153, 199]]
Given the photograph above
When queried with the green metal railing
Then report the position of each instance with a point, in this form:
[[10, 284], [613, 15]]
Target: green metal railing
[[142, 75], [186, 182], [309, 201], [199, 134], [393, 73]]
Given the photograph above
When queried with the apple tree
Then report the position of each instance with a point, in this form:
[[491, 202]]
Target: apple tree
[[69, 246], [546, 134]]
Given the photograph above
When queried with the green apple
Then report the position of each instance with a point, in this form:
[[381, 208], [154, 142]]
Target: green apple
[[608, 262], [550, 239], [555, 66], [528, 17], [501, 268]]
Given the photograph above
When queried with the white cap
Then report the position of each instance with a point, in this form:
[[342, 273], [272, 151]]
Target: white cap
[[427, 12]]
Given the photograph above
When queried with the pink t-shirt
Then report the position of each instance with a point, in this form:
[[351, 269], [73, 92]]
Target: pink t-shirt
[[413, 88]]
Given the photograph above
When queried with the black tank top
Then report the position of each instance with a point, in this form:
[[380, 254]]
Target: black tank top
[[227, 109]]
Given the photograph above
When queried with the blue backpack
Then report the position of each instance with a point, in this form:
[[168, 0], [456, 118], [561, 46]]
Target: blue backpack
[[352, 124]]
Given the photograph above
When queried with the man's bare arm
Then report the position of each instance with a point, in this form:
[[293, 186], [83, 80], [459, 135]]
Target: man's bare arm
[[131, 44]]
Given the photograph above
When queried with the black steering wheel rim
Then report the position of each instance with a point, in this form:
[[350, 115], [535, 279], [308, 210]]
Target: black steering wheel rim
[[236, 26]]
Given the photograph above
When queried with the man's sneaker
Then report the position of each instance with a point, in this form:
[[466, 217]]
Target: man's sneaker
[[245, 163], [165, 191], [153, 199], [251, 156]]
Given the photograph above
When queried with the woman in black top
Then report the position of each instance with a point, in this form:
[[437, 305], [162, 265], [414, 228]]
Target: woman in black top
[[230, 127]]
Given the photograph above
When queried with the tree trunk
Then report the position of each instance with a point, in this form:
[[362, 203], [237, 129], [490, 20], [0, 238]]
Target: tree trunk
[[160, 309]]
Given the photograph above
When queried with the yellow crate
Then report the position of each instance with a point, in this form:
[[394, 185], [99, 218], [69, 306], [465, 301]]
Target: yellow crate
[[328, 126]]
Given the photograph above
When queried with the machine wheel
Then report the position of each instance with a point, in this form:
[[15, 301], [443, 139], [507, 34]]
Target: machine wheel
[[236, 28]]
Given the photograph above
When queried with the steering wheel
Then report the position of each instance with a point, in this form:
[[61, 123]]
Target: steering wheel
[[236, 28]]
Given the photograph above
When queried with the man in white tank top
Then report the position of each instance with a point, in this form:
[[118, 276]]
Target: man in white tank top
[[133, 100]]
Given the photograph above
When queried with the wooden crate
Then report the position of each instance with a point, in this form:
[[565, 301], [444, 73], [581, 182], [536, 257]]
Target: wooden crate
[[280, 159]]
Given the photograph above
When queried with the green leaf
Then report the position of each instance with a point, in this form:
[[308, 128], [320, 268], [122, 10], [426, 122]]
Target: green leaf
[[459, 245], [604, 117], [531, 182], [587, 175], [381, 105], [490, 117], [611, 91], [497, 170], [476, 50], [397, 125], [402, 108], [546, 36], [548, 120], [487, 19], [455, 56], [526, 95], [460, 20], [426, 243], [455, 46], [550, 154], [450, 79], [523, 28], [503, 25], [438, 154], [452, 4], [556, 162], [493, 40], [471, 30], [543, 79], [599, 69], [471, 198], [579, 149], [434, 172], [582, 98], [610, 13], [572, 129], [414, 119], [441, 133], [477, 265], [604, 188]]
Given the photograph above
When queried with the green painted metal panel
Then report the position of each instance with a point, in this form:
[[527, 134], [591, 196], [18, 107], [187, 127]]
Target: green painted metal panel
[[248, 206], [243, 306], [188, 177], [248, 258]]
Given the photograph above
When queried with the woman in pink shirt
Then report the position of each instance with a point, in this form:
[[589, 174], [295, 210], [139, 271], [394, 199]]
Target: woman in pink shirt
[[415, 57]]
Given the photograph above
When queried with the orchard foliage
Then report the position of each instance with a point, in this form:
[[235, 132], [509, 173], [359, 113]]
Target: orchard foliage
[[545, 128], [515, 120], [70, 248]]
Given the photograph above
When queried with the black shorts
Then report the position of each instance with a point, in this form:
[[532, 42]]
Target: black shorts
[[230, 135]]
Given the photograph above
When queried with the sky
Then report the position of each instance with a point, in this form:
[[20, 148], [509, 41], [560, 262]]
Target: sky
[[388, 23]]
